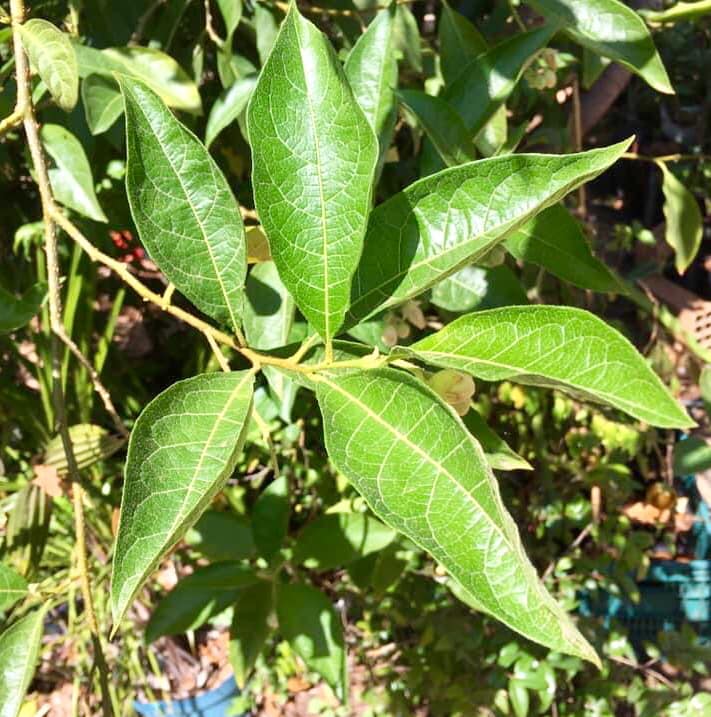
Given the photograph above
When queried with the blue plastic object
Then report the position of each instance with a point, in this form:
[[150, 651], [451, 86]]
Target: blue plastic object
[[215, 703], [673, 592]]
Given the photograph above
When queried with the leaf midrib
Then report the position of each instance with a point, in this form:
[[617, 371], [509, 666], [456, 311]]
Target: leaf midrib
[[324, 223], [609, 397], [220, 281]]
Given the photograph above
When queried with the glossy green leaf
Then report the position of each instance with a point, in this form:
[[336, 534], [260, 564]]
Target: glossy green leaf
[[486, 82], [13, 587], [228, 107], [684, 229], [52, 55], [270, 517], [183, 448], [691, 455], [314, 157], [158, 70], [475, 288], [198, 597], [231, 11], [266, 26], [498, 453], [459, 43], [71, 178], [371, 70], [612, 29], [222, 535], [336, 539], [102, 101], [443, 126], [16, 312], [183, 207], [250, 627], [555, 241], [443, 222], [19, 650], [407, 37], [557, 347], [519, 697], [309, 622], [420, 470]]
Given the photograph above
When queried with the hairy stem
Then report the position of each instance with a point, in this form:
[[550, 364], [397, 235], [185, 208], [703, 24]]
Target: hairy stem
[[26, 110]]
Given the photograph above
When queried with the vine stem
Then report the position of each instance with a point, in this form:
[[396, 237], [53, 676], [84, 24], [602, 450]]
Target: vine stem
[[25, 109]]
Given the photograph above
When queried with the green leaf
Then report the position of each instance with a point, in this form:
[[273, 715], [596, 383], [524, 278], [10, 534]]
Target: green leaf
[[19, 650], [459, 43], [183, 207], [443, 222], [407, 37], [183, 448], [692, 455], [220, 535], [336, 539], [52, 55], [159, 71], [103, 103], [486, 82], [520, 699], [443, 126], [250, 628], [270, 517], [231, 11], [613, 30], [17, 312], [198, 597], [266, 26], [228, 107], [555, 241], [13, 587], [268, 319], [684, 229], [314, 157], [476, 288], [556, 347], [309, 622], [421, 472], [71, 179], [371, 70], [496, 450]]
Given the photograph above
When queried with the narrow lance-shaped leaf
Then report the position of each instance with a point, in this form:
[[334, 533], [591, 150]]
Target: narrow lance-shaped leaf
[[71, 179], [228, 107], [102, 101], [13, 587], [52, 55], [443, 126], [487, 81], [19, 650], [182, 449], [250, 627], [309, 622], [197, 597], [497, 451], [459, 43], [555, 241], [421, 472], [314, 156], [371, 70], [17, 312], [183, 207], [684, 229], [440, 223], [557, 347], [612, 29]]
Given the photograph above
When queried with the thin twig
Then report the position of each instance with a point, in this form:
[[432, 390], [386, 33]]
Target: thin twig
[[11, 122], [667, 157], [96, 380], [224, 363], [26, 109]]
